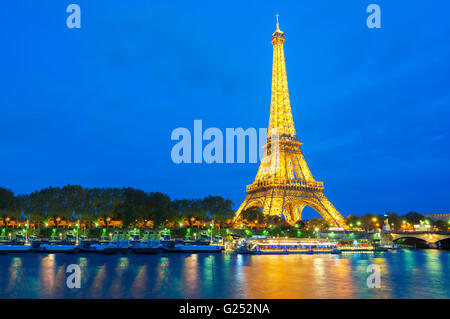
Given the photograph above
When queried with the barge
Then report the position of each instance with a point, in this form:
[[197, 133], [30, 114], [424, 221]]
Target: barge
[[286, 246]]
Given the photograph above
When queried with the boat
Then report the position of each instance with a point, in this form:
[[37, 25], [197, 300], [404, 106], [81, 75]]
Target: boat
[[56, 247], [111, 247], [85, 246], [118, 244], [14, 248], [148, 246], [362, 247], [191, 247], [285, 246], [236, 236]]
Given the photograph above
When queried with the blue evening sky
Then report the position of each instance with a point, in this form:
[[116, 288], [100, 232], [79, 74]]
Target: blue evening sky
[[96, 106]]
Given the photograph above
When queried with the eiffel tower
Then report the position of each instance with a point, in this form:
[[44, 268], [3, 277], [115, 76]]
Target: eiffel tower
[[284, 184]]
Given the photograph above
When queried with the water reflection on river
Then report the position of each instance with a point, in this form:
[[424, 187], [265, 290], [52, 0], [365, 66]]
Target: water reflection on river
[[404, 274]]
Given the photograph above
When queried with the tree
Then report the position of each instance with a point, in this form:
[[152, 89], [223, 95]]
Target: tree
[[317, 222], [300, 225], [160, 208], [414, 218], [273, 220], [6, 203], [184, 211], [252, 215], [368, 221], [441, 225], [218, 209], [353, 220], [395, 220]]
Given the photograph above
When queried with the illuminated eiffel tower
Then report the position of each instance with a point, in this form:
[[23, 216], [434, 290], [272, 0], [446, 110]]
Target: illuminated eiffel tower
[[284, 184]]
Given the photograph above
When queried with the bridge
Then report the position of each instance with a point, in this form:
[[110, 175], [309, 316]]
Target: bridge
[[430, 238]]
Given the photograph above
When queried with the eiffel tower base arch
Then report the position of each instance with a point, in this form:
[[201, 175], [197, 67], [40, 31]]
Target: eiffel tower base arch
[[289, 203]]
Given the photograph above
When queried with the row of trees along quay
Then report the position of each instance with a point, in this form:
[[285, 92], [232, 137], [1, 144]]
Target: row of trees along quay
[[97, 209]]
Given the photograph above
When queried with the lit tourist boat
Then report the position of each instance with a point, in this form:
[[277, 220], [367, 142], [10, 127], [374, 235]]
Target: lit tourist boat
[[365, 248], [286, 246]]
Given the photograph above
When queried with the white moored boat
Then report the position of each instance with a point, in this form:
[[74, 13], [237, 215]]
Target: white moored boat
[[14, 248], [112, 247], [148, 246], [45, 247], [181, 247]]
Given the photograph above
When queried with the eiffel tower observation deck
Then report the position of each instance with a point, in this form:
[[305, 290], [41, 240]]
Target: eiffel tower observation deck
[[284, 184]]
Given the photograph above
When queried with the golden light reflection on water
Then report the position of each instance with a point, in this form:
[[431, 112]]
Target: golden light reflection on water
[[341, 271], [162, 275], [190, 274], [139, 285], [97, 289], [47, 276], [302, 276], [117, 289], [15, 274]]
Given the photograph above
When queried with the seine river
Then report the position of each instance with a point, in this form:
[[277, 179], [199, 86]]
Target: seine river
[[404, 274]]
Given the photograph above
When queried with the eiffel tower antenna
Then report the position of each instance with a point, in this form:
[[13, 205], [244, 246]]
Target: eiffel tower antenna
[[284, 185]]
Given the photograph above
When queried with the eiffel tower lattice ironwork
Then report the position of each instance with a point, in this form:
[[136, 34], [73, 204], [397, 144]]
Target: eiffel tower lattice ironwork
[[284, 184]]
